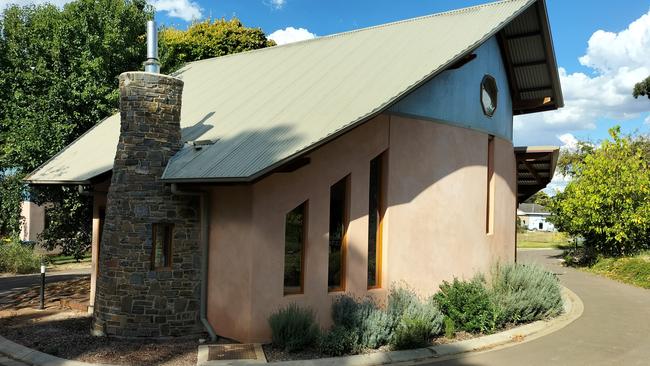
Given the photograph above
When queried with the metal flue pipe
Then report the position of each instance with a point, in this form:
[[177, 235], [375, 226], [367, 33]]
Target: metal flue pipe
[[152, 64]]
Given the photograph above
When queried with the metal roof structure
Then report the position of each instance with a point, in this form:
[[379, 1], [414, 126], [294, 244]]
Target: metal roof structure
[[247, 114], [535, 168]]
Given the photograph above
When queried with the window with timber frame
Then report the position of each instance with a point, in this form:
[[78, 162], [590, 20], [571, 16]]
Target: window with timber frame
[[339, 217], [295, 230], [376, 210]]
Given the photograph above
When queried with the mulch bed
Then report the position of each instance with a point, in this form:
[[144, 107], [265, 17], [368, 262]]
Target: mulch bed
[[65, 333]]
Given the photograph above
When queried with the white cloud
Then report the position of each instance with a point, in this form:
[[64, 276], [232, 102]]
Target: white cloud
[[557, 184], [185, 9], [291, 34], [569, 141], [618, 61], [276, 4], [59, 3], [647, 120], [559, 181]]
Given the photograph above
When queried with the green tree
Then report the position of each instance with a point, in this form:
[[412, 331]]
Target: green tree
[[58, 77], [11, 195], [58, 71], [642, 88], [208, 39], [571, 159], [540, 198], [608, 200]]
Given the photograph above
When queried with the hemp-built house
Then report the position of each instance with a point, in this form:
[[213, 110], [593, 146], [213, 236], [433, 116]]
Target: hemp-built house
[[296, 173]]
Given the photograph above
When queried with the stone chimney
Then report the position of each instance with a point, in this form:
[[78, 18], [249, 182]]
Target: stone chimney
[[149, 265]]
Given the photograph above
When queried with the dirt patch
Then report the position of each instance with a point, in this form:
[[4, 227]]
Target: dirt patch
[[66, 333]]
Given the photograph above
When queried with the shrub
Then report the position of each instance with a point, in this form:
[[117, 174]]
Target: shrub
[[525, 293], [339, 341], [469, 305], [399, 299], [633, 270], [346, 312], [369, 322], [450, 327], [293, 328], [419, 323], [18, 258], [376, 329]]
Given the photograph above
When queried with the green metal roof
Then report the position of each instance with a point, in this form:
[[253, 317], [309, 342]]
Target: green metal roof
[[262, 108]]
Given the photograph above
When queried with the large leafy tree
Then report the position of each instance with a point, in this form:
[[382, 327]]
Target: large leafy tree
[[58, 71], [607, 201], [58, 77], [208, 39]]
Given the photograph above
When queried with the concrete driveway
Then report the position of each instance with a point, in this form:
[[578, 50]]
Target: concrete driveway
[[613, 330]]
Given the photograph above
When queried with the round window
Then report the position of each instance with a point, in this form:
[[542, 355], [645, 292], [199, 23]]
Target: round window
[[489, 95]]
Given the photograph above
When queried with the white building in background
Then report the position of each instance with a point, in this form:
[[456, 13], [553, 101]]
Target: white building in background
[[33, 221], [533, 217]]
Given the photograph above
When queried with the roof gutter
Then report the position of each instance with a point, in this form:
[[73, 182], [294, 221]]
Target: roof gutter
[[205, 219]]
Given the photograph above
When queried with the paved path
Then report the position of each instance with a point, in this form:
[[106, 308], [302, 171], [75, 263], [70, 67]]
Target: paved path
[[13, 283], [613, 330]]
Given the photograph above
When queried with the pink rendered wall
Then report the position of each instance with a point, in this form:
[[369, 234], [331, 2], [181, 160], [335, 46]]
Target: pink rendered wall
[[437, 196], [434, 227], [229, 270]]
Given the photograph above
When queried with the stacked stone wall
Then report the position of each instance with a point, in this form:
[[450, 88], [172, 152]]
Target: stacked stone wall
[[133, 299]]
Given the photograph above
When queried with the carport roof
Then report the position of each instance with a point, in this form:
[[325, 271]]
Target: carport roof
[[535, 169]]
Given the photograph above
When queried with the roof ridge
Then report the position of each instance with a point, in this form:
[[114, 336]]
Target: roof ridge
[[408, 20]]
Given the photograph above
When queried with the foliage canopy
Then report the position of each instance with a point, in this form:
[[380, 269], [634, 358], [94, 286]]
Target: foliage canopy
[[608, 200], [642, 88], [208, 39], [58, 78]]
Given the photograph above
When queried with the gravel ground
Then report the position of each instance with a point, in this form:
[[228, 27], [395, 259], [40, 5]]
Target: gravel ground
[[66, 333]]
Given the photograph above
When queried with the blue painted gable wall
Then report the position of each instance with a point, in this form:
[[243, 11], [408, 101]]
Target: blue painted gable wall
[[454, 95]]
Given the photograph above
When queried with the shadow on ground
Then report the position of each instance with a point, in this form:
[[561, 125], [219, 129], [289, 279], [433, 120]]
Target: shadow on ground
[[69, 337]]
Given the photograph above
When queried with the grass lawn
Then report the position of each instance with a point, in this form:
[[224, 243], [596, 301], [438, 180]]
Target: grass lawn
[[66, 259], [633, 270], [542, 239]]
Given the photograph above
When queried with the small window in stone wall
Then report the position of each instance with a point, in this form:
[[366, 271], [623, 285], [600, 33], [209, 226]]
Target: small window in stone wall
[[161, 251]]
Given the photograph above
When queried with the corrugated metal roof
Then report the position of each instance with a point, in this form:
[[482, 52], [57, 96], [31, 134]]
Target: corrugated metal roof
[[263, 107], [535, 168]]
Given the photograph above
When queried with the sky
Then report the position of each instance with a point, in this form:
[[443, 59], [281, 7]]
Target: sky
[[602, 48]]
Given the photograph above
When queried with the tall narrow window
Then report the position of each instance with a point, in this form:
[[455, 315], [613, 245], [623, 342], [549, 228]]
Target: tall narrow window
[[338, 228], [294, 249], [490, 186], [161, 251], [376, 209]]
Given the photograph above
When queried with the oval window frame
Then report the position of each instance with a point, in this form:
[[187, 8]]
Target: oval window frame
[[489, 85]]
